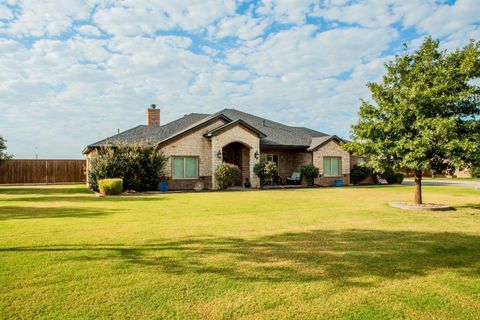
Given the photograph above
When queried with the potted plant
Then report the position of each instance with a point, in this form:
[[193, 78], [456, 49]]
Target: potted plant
[[310, 173], [163, 185]]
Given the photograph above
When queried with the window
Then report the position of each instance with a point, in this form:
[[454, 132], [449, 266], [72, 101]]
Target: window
[[272, 157], [185, 167], [331, 166], [361, 160]]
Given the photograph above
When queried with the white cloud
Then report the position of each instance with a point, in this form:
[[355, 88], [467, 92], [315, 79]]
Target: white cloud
[[450, 18], [366, 13], [243, 27], [38, 18], [97, 65], [135, 17], [5, 13], [313, 54], [88, 30], [287, 11]]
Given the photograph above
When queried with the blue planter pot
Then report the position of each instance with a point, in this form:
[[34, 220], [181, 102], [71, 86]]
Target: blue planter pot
[[163, 186], [338, 183]]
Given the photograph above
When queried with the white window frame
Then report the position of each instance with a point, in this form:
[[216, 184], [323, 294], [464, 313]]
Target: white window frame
[[364, 160], [339, 166], [185, 167]]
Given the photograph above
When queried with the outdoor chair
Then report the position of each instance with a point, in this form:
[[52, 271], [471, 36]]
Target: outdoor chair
[[296, 178]]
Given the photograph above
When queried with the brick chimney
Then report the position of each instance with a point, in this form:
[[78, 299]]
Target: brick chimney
[[153, 116]]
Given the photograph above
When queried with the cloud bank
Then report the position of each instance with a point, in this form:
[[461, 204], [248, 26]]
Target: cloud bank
[[73, 72]]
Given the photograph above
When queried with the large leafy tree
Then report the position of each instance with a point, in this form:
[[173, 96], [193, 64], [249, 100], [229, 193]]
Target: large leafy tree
[[425, 114], [4, 156]]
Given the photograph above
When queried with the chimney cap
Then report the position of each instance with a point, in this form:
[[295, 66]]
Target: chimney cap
[[153, 106]]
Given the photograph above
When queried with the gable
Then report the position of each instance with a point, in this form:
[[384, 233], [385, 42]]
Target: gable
[[236, 123], [318, 142]]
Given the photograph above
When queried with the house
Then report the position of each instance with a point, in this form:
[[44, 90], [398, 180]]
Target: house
[[197, 143]]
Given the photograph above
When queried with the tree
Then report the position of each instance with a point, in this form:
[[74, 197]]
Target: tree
[[426, 113], [4, 156]]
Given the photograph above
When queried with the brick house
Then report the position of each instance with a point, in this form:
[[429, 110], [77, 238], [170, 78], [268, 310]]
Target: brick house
[[197, 143]]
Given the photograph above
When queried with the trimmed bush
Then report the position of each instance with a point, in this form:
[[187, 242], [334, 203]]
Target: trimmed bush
[[227, 175], [140, 166], [110, 186], [359, 173], [310, 173], [395, 178]]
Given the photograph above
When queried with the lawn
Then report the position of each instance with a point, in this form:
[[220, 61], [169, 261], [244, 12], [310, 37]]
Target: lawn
[[292, 254]]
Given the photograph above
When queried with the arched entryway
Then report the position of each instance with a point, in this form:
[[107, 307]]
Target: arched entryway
[[238, 154]]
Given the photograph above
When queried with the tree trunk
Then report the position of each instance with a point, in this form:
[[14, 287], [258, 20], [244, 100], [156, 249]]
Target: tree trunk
[[418, 187]]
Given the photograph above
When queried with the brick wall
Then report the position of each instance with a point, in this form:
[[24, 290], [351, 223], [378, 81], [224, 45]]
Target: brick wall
[[192, 144], [332, 149], [188, 184], [236, 134], [289, 160]]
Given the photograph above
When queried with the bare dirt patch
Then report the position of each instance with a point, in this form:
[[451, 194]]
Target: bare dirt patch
[[424, 206]]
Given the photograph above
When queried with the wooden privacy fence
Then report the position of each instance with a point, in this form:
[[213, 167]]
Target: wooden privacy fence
[[42, 171]]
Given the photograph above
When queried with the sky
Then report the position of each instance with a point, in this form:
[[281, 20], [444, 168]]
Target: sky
[[74, 72]]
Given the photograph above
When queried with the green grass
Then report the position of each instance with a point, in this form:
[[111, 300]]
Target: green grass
[[292, 254]]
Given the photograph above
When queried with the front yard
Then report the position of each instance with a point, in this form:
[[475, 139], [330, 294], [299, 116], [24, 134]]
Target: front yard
[[312, 253]]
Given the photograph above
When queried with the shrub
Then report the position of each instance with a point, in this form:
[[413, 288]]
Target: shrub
[[359, 173], [259, 170], [227, 174], [395, 178], [266, 170], [110, 186], [270, 170], [309, 172], [140, 166]]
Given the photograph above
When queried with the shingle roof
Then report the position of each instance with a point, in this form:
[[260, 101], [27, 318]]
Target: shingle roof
[[276, 134], [152, 134]]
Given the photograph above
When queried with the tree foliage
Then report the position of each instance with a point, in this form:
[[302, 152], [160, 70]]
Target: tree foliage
[[425, 114], [4, 156], [140, 166]]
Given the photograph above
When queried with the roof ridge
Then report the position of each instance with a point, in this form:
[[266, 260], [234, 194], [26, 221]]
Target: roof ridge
[[110, 137], [263, 118]]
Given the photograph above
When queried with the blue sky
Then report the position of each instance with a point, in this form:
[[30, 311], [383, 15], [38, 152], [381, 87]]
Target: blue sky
[[73, 72]]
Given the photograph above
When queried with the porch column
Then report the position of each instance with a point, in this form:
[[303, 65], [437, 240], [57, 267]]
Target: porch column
[[216, 147], [254, 180]]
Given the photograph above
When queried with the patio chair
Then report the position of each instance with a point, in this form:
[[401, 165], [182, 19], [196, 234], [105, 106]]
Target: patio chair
[[296, 178]]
